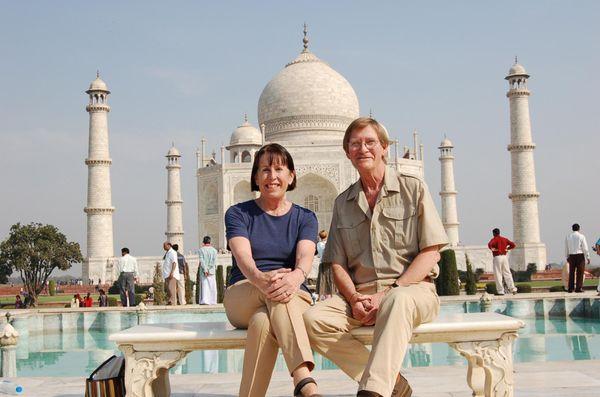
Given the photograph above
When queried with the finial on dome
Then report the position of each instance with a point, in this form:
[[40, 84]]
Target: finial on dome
[[245, 117], [370, 113], [172, 143], [97, 73], [305, 39]]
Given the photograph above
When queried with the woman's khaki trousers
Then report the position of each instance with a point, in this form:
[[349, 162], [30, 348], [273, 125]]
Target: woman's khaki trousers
[[270, 325]]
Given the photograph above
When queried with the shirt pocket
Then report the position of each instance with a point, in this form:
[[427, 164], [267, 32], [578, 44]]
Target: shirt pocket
[[351, 229], [404, 224]]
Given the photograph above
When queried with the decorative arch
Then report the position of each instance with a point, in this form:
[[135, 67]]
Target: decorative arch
[[242, 192], [211, 199], [246, 157], [315, 191]]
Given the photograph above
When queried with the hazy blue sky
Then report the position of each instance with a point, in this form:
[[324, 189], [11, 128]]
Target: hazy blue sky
[[180, 71]]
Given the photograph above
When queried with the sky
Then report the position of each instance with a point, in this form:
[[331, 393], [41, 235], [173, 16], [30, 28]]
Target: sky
[[180, 71]]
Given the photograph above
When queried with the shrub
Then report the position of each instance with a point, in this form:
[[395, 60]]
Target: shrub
[[220, 284], [114, 288], [557, 288], [490, 288], [447, 282], [470, 283], [523, 288], [112, 301], [139, 298], [52, 287], [478, 272], [227, 276], [160, 297], [141, 289], [188, 286], [198, 284]]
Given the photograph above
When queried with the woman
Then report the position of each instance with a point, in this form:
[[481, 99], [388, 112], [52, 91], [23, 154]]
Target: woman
[[102, 299], [273, 243]]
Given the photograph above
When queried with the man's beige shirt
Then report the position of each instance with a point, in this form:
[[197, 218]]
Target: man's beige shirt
[[381, 244]]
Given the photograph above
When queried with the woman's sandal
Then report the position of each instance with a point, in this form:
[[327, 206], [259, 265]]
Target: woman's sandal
[[303, 383]]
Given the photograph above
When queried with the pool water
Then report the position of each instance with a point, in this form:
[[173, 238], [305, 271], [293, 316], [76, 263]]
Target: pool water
[[79, 352]]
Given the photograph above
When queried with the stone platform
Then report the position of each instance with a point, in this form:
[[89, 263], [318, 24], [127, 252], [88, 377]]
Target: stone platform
[[552, 379]]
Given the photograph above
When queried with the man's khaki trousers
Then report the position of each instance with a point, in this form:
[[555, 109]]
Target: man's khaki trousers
[[171, 287], [181, 289], [270, 325], [402, 309]]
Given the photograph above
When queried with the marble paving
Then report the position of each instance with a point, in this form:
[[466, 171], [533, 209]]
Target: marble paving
[[552, 379]]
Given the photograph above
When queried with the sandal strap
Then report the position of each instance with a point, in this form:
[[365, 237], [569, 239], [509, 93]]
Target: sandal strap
[[301, 384]]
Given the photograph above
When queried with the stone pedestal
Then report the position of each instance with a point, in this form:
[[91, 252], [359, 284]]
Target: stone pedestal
[[8, 345]]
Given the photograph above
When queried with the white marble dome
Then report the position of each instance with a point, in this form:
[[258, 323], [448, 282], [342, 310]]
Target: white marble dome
[[246, 134], [173, 152], [98, 85], [307, 95], [446, 143], [517, 70]]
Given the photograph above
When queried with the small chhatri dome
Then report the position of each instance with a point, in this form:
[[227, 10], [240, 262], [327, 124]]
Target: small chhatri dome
[[446, 143], [245, 134], [517, 70], [98, 84], [173, 152]]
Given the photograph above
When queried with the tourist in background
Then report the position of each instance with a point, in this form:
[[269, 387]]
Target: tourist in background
[[383, 246], [182, 267], [207, 261], [500, 246], [170, 272], [102, 299], [74, 301], [127, 269], [272, 241], [88, 301], [324, 285], [19, 303], [597, 250], [577, 253]]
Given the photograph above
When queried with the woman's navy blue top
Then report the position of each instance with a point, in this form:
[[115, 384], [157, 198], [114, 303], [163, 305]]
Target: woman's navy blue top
[[273, 239]]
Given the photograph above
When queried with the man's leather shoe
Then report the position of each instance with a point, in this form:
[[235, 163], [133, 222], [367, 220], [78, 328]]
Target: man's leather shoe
[[366, 393], [401, 388]]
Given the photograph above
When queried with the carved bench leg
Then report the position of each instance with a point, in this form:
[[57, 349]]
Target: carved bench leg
[[490, 371], [147, 373]]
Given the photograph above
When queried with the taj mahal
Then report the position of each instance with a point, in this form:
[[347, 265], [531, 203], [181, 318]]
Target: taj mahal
[[306, 108]]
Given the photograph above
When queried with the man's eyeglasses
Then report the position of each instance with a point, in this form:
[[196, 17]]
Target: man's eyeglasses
[[356, 145]]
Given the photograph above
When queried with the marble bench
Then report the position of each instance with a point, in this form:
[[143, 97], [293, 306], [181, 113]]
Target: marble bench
[[483, 339]]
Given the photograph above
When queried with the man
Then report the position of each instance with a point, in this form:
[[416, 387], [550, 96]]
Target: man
[[597, 250], [207, 256], [500, 246], [127, 269], [170, 272], [383, 248], [181, 265], [576, 250]]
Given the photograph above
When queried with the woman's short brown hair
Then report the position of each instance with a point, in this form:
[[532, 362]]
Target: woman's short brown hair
[[323, 234], [276, 154], [361, 123]]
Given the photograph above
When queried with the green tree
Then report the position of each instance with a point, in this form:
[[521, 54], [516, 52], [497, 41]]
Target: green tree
[[35, 250], [52, 287], [470, 283], [198, 284], [447, 282], [160, 297]]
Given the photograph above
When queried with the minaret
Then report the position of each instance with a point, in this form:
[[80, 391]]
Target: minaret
[[174, 203], [524, 194], [99, 207], [448, 192]]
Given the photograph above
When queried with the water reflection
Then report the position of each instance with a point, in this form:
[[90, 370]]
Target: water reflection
[[73, 344]]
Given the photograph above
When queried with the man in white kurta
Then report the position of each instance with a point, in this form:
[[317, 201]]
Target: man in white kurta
[[207, 255]]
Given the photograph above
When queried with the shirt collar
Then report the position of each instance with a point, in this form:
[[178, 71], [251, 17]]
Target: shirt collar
[[390, 184]]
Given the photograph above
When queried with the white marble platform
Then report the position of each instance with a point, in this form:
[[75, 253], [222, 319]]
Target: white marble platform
[[552, 379]]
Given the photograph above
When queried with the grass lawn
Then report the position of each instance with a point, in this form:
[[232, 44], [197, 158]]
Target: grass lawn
[[61, 298]]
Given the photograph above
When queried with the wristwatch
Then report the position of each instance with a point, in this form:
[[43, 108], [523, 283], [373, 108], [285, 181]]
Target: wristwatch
[[395, 284]]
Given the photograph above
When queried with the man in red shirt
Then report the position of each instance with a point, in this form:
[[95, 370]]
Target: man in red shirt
[[500, 246], [87, 301]]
